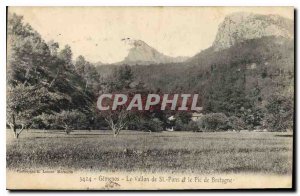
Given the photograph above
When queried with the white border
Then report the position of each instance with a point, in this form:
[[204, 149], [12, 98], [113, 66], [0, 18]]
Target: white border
[[149, 3], [4, 3]]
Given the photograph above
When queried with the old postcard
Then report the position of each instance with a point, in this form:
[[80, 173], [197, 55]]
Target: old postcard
[[149, 98]]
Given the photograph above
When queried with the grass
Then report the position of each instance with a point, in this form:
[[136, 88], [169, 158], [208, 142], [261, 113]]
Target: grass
[[226, 152]]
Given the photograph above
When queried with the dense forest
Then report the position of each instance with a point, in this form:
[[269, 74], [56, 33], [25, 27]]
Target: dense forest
[[247, 86], [45, 88], [252, 81]]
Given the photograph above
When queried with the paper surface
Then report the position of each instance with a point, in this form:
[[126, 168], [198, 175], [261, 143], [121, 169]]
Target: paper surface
[[238, 133]]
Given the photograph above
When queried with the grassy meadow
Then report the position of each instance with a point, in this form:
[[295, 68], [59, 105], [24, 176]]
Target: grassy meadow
[[226, 152]]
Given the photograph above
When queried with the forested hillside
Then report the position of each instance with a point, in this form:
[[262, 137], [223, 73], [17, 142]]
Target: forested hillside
[[45, 88], [240, 80]]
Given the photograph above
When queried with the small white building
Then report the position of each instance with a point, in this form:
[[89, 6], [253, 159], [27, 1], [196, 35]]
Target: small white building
[[171, 118], [196, 116]]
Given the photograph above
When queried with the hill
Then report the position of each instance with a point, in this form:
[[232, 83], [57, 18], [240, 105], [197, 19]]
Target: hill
[[143, 54]]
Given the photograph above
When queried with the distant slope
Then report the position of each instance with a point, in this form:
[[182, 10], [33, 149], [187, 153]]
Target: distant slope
[[143, 54], [267, 53]]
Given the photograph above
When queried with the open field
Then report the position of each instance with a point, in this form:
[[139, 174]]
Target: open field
[[227, 152]]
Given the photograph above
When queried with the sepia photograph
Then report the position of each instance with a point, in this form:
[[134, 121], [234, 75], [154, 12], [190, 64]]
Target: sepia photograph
[[150, 98]]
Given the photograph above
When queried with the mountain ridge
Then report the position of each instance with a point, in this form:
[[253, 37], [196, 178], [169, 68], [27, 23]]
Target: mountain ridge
[[241, 26], [143, 54], [235, 28]]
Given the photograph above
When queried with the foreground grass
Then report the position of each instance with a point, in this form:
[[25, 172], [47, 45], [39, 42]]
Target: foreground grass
[[226, 152]]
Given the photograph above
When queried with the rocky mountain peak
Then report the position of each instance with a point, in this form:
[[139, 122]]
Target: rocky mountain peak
[[241, 26], [143, 54]]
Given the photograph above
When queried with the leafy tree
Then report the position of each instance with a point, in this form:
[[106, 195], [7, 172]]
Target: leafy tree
[[27, 71], [118, 119], [53, 47], [80, 64], [122, 82], [24, 103], [28, 54], [66, 55], [68, 120], [281, 110]]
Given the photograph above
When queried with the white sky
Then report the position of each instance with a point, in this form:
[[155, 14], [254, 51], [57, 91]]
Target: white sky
[[96, 32]]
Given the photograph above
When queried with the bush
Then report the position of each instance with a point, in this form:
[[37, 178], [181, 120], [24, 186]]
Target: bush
[[179, 125], [193, 126], [214, 122], [236, 123], [280, 112], [68, 120], [142, 124], [155, 125], [189, 126], [252, 117]]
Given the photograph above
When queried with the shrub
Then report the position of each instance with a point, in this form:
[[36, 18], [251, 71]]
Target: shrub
[[280, 113], [155, 125], [214, 122], [68, 120], [179, 125], [236, 123], [193, 126], [189, 126], [252, 117], [142, 124]]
